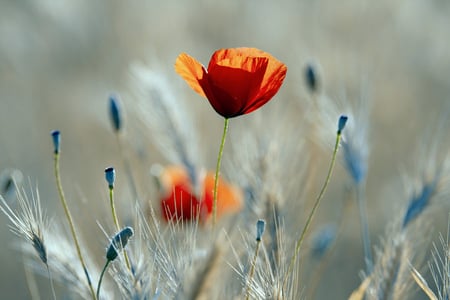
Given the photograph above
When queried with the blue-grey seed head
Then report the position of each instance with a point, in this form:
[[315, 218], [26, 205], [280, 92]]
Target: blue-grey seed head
[[110, 176], [118, 242], [115, 112], [260, 227], [341, 123], [56, 137]]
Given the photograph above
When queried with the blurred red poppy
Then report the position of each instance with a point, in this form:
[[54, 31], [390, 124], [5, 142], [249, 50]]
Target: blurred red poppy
[[179, 201], [237, 81]]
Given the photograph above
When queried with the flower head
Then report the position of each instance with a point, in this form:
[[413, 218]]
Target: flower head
[[180, 201], [237, 81]]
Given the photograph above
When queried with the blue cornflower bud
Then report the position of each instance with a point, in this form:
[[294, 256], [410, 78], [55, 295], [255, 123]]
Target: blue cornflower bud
[[311, 78], [341, 124], [260, 226], [110, 176], [56, 136]]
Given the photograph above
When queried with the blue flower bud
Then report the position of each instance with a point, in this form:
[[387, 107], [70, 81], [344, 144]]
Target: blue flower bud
[[118, 242], [260, 227], [341, 124], [115, 112], [110, 176], [56, 136]]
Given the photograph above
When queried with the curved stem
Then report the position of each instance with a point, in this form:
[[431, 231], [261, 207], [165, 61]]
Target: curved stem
[[216, 178], [71, 224], [101, 278], [313, 211]]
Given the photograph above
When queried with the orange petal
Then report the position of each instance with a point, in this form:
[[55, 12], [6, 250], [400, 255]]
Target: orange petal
[[174, 176], [224, 54], [271, 83], [192, 71], [229, 197]]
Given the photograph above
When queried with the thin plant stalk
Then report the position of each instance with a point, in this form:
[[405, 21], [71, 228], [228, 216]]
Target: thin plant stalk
[[360, 198], [216, 178], [313, 211], [101, 278], [116, 222], [71, 224], [252, 269]]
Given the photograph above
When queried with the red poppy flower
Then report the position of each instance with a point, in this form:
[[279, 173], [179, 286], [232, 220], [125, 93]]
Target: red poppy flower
[[237, 81], [180, 202]]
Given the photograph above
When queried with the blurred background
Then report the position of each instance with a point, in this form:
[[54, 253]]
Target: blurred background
[[59, 61]]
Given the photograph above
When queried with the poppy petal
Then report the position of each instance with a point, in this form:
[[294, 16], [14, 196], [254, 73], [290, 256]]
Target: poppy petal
[[192, 71], [229, 198], [233, 82], [224, 54], [273, 79]]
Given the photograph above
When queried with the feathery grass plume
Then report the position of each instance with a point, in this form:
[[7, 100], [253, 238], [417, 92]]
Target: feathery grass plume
[[391, 275], [143, 280], [440, 266], [65, 266], [268, 162], [175, 256], [9, 180], [167, 118], [30, 222], [267, 281], [431, 182]]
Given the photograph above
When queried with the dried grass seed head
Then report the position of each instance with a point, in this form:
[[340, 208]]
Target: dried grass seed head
[[28, 220]]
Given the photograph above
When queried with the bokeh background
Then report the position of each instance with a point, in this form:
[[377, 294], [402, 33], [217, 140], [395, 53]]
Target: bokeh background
[[59, 61]]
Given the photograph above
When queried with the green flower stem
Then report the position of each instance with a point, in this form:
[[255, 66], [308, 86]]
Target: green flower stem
[[313, 211], [101, 278], [252, 269], [71, 224], [216, 178], [116, 222]]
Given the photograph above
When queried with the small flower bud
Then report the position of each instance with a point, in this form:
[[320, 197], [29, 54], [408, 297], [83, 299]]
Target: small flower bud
[[110, 176], [341, 124], [56, 136], [118, 242], [115, 113], [311, 78], [260, 226]]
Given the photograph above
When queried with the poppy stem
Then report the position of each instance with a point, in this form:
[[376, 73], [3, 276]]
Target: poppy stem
[[216, 178], [70, 221], [313, 211], [116, 222], [101, 278]]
